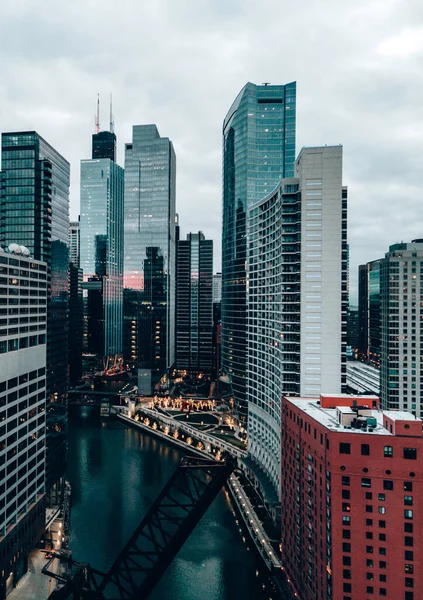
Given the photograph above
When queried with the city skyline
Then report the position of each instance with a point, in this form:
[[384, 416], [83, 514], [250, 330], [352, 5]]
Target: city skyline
[[370, 55]]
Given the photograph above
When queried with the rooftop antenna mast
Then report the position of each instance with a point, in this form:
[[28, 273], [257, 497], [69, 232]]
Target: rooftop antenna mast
[[112, 122], [97, 118]]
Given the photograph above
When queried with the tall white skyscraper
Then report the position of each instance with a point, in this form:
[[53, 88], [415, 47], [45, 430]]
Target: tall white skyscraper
[[297, 297]]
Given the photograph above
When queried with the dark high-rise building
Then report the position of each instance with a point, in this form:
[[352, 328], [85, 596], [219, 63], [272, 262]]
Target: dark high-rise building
[[363, 312], [74, 242], [258, 150], [104, 145], [149, 265], [76, 316], [76, 311], [194, 304], [352, 332], [34, 212], [369, 312]]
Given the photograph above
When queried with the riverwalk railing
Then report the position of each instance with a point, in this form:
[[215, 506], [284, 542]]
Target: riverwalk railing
[[245, 507], [199, 435], [255, 528]]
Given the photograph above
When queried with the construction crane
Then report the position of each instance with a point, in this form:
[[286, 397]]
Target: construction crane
[[155, 542]]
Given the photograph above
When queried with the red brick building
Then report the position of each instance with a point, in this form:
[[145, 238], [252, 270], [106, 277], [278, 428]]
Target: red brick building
[[352, 499]]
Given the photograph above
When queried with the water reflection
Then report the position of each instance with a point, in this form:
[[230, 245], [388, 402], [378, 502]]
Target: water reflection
[[115, 475]]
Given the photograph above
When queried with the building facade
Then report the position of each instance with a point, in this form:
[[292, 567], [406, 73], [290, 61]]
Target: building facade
[[258, 150], [74, 242], [34, 212], [401, 287], [217, 287], [352, 482], [101, 250], [149, 264], [194, 304], [104, 145], [297, 297], [369, 312], [23, 323], [76, 324]]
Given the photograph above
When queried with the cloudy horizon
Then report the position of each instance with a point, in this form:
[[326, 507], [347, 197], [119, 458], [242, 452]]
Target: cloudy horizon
[[181, 64]]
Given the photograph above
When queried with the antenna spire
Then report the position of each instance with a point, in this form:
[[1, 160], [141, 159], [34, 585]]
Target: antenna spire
[[97, 119], [112, 122]]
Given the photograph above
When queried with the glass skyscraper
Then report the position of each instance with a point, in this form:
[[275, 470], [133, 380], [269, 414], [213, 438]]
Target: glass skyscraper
[[34, 212], [258, 150], [149, 265], [101, 251], [104, 145]]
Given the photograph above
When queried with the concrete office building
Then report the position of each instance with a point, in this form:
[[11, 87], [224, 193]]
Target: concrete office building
[[74, 242], [352, 480], [194, 304], [401, 367], [297, 300], [217, 287], [150, 254], [34, 211], [258, 150], [23, 318]]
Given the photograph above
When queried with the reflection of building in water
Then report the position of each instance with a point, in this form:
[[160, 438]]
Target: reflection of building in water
[[149, 264]]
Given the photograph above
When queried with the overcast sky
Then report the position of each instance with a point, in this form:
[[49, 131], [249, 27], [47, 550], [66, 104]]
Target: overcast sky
[[180, 63]]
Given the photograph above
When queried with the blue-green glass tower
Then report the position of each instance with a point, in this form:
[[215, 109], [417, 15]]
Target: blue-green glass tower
[[258, 150], [101, 255]]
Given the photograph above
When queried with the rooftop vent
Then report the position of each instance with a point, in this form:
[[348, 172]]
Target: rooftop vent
[[17, 249]]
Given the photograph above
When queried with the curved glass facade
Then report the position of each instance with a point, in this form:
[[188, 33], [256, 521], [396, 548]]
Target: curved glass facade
[[34, 211], [274, 319], [258, 150], [296, 297]]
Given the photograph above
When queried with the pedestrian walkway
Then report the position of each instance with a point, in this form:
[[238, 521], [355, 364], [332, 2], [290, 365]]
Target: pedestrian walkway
[[34, 585]]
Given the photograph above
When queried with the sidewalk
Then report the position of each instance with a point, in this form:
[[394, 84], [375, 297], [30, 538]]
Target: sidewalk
[[34, 585]]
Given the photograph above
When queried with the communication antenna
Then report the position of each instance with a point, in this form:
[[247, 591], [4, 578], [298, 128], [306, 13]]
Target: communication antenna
[[266, 83], [97, 118], [112, 122]]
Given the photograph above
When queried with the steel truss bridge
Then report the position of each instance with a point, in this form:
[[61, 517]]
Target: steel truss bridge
[[154, 543]]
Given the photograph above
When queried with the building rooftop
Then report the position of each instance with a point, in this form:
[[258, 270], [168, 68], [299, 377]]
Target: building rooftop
[[357, 416]]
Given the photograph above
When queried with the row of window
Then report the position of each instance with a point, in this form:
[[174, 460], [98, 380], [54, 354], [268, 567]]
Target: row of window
[[388, 452]]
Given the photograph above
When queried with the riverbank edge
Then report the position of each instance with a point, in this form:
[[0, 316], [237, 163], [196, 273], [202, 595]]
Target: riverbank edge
[[231, 489], [166, 438]]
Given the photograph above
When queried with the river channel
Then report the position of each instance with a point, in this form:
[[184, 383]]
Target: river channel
[[115, 473]]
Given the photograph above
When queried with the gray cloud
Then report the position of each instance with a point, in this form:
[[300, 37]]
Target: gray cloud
[[179, 64]]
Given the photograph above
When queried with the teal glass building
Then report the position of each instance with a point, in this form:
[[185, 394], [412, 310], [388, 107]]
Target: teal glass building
[[101, 252], [258, 150], [150, 254]]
